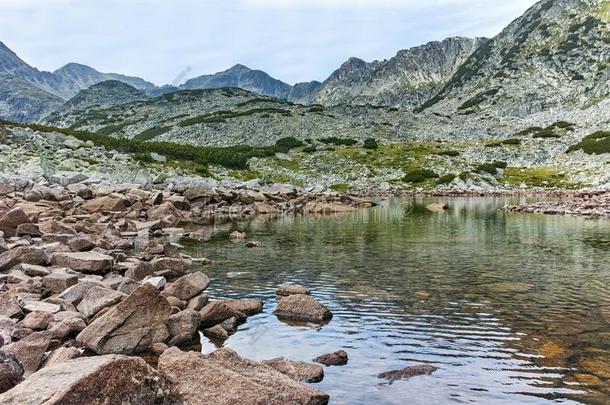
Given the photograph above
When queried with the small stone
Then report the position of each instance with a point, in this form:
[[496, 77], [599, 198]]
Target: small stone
[[189, 286], [198, 302], [157, 282], [407, 372], [37, 320]]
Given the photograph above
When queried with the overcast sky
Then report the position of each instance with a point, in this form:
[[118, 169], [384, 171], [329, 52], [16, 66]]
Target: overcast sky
[[292, 40]]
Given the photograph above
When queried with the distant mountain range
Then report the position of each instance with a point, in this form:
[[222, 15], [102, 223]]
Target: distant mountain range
[[556, 55]]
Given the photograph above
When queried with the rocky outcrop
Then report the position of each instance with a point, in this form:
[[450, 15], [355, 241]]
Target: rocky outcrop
[[302, 308], [130, 327], [224, 378], [110, 379], [104, 94], [586, 204], [406, 80]]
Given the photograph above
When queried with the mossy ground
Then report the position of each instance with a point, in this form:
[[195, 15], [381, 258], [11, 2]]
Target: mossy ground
[[548, 177]]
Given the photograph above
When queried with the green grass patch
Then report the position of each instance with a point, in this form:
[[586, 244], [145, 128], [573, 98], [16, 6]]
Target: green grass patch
[[595, 144], [452, 153], [491, 168], [446, 179], [370, 143], [537, 177], [340, 187], [151, 133]]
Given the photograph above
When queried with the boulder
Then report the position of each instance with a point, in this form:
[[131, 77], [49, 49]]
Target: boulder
[[216, 333], [302, 308], [34, 270], [247, 307], [224, 378], [12, 219], [98, 298], [175, 266], [291, 289], [28, 229], [9, 307], [216, 312], [22, 254], [29, 351], [106, 203], [75, 294], [338, 358], [58, 282], [157, 282], [198, 302], [236, 235], [81, 243], [37, 320], [184, 323], [54, 227], [130, 327], [62, 354], [11, 372], [297, 370], [188, 286], [161, 211], [84, 262], [408, 372], [95, 380]]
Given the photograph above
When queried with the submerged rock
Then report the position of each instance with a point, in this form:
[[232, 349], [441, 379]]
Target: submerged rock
[[408, 372], [224, 378], [302, 308], [338, 358], [291, 289]]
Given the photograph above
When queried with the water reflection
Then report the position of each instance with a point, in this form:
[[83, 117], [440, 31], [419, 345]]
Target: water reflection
[[511, 308]]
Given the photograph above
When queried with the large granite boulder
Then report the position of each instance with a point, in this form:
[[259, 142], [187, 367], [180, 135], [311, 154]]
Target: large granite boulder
[[111, 379], [188, 286], [98, 298], [84, 262], [247, 307], [302, 308], [22, 254], [224, 378], [107, 203], [130, 327], [217, 312], [11, 219]]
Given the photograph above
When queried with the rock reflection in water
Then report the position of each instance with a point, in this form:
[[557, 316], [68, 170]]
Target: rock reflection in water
[[511, 308]]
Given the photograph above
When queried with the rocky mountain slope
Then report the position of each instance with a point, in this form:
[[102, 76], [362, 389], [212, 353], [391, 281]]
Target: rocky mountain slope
[[406, 80], [21, 101], [103, 95], [30, 93], [555, 56], [240, 76]]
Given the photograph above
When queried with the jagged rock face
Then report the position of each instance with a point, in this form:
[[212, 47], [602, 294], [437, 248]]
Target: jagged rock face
[[555, 55], [104, 94], [303, 93], [23, 102], [406, 80], [242, 77]]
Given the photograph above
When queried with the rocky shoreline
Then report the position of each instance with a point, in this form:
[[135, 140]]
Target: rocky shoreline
[[89, 287], [588, 204]]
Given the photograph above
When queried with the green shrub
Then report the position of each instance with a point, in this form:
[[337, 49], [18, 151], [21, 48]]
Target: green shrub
[[339, 141], [370, 143], [290, 142], [316, 109], [595, 144], [528, 131], [491, 168], [511, 141], [309, 149], [151, 133], [419, 176], [446, 179], [448, 153]]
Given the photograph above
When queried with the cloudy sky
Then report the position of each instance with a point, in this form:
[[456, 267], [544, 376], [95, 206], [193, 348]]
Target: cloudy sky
[[293, 40]]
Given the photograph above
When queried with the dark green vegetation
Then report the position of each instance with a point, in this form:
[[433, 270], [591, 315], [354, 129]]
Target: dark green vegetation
[[223, 116], [370, 143], [446, 179], [339, 141], [491, 168], [594, 144], [151, 133], [419, 176], [510, 141], [552, 131], [195, 158], [452, 153], [290, 142], [479, 98]]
